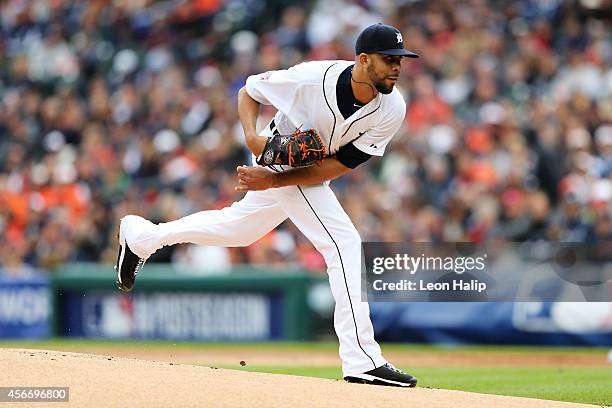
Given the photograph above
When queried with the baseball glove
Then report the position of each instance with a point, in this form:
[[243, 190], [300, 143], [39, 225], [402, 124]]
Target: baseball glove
[[299, 149]]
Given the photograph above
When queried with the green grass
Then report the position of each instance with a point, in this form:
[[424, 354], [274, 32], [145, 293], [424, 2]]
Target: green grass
[[592, 385], [305, 346]]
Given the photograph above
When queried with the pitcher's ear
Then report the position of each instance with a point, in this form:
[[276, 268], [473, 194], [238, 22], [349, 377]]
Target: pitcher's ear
[[364, 58]]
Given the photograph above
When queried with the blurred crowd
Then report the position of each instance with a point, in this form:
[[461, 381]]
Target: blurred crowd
[[129, 106]]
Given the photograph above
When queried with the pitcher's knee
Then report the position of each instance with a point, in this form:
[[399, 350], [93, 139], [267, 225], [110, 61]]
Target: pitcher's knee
[[353, 237], [350, 239], [342, 238]]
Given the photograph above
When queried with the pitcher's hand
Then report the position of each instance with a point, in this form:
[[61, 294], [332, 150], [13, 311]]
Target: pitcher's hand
[[255, 178]]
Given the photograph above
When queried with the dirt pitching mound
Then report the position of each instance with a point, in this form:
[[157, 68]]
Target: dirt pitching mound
[[107, 381]]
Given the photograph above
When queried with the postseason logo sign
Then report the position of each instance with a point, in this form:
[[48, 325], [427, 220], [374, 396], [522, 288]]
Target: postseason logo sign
[[466, 272]]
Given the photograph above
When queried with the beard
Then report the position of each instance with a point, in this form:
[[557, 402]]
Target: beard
[[382, 87], [378, 83]]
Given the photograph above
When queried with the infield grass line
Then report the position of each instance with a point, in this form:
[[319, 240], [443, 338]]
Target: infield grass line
[[590, 385]]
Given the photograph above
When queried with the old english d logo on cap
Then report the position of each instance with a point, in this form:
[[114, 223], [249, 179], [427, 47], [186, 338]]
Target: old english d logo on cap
[[382, 39]]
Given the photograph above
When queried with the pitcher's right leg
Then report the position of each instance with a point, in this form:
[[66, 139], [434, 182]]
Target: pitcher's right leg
[[241, 224]]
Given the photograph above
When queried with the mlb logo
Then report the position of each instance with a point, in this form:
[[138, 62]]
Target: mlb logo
[[109, 316]]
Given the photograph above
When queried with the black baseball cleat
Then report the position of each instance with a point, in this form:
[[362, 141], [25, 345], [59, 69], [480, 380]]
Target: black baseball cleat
[[127, 266], [384, 375]]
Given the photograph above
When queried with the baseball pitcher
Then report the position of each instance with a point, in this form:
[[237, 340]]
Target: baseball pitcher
[[331, 117]]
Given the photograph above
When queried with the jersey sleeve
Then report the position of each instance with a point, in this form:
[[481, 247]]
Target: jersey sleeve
[[375, 140], [276, 88]]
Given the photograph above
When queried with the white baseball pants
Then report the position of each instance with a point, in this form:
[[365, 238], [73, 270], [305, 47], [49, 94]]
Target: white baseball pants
[[315, 210]]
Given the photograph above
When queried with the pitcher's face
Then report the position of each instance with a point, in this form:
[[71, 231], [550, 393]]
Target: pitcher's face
[[383, 71]]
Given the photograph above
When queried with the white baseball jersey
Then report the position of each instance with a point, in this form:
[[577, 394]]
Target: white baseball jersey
[[305, 96]]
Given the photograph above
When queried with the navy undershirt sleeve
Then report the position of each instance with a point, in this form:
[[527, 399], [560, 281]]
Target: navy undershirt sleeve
[[351, 156]]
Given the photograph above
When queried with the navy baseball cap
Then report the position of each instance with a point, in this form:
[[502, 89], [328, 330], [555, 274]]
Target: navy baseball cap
[[382, 39]]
